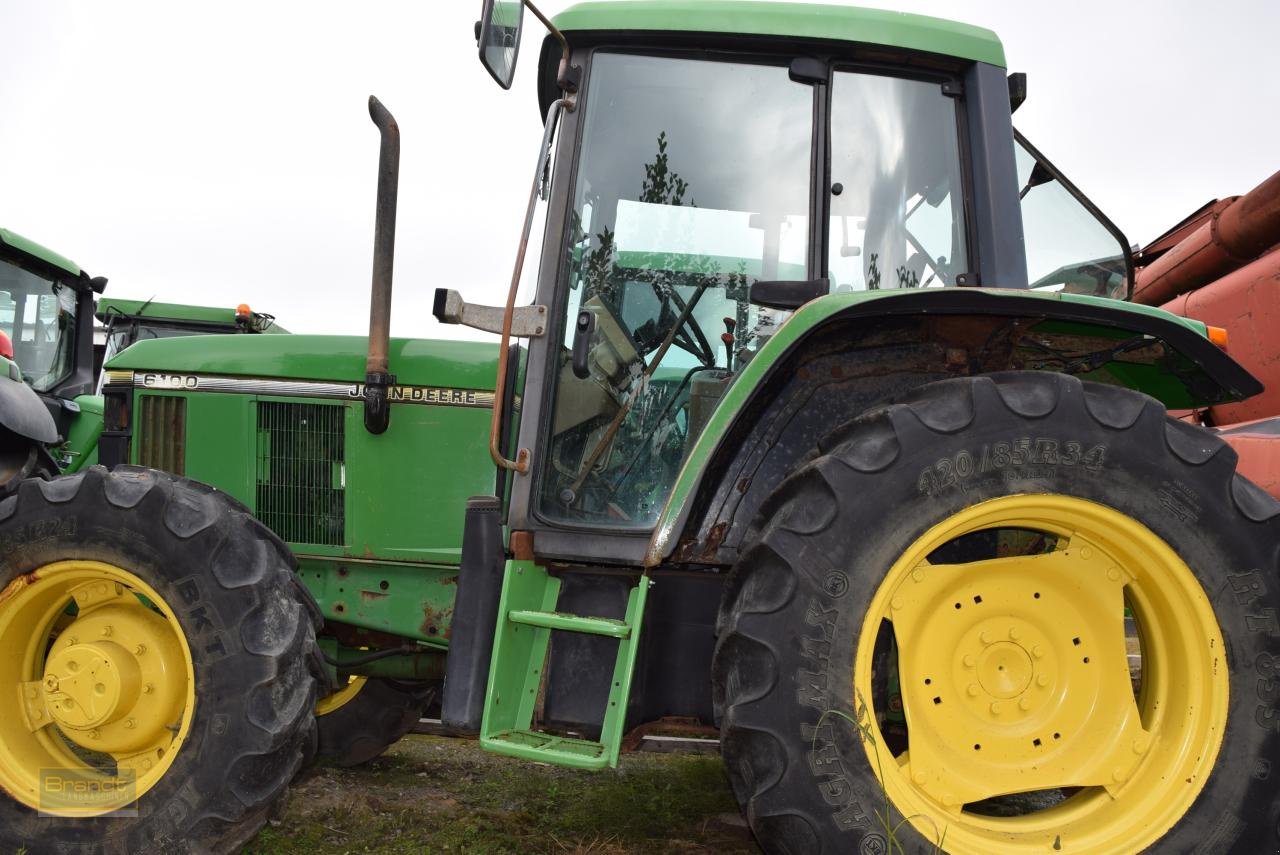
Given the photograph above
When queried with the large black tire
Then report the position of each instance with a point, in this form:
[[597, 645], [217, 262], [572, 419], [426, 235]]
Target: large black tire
[[372, 721], [796, 602], [250, 626]]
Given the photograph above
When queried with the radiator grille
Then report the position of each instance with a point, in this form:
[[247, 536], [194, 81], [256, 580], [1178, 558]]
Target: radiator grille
[[161, 431], [301, 475]]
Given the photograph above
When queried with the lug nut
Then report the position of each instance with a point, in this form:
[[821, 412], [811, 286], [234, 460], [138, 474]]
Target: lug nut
[[985, 637], [1113, 574], [1042, 680], [917, 575], [972, 690], [1024, 704], [897, 603], [1014, 633], [918, 776], [995, 708], [1038, 651], [969, 661]]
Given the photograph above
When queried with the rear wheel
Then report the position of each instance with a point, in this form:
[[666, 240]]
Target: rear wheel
[[1054, 629], [367, 716], [159, 667]]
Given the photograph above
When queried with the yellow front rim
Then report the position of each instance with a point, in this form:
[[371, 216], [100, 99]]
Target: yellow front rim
[[1015, 679], [339, 699], [97, 688]]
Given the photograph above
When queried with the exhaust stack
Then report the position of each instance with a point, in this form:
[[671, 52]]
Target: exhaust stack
[[378, 379]]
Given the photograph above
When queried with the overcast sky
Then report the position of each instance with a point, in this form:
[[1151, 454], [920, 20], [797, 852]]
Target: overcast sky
[[221, 152]]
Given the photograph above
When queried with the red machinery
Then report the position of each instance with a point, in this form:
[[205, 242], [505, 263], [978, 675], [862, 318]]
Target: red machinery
[[1221, 265]]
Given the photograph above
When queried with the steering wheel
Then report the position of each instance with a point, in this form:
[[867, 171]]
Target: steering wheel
[[690, 337]]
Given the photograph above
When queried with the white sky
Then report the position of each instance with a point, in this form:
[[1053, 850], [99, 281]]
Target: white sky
[[221, 152]]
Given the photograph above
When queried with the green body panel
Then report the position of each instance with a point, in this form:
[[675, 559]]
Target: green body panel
[[809, 316], [789, 20], [526, 619], [35, 250], [456, 364], [384, 597], [402, 492], [172, 312], [81, 448]]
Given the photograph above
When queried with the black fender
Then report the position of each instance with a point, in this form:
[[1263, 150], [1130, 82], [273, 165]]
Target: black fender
[[878, 350], [21, 410]]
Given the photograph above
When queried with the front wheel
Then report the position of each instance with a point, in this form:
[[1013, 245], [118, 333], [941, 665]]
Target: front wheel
[[159, 666], [367, 716], [1016, 613]]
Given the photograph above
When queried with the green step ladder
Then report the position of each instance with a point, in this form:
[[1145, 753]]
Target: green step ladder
[[526, 618]]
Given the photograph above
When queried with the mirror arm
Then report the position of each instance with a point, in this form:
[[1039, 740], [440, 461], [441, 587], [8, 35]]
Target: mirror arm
[[568, 76]]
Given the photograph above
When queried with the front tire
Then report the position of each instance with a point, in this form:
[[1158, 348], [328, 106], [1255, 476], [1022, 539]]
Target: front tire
[[974, 552], [159, 650], [366, 717]]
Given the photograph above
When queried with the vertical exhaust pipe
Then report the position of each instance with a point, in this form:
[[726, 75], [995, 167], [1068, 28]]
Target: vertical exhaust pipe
[[378, 379]]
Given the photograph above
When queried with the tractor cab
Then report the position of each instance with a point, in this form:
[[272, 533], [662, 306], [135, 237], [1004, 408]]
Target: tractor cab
[[718, 168], [46, 311]]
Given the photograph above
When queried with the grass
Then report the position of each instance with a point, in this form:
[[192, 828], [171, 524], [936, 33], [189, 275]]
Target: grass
[[432, 794]]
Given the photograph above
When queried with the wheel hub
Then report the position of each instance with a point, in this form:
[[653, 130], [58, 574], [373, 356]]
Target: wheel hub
[[1014, 675], [1004, 669], [87, 685]]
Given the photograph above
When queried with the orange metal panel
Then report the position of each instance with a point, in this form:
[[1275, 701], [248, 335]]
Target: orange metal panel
[[1247, 304]]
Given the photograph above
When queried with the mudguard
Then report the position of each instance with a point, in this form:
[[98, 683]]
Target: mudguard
[[21, 410]]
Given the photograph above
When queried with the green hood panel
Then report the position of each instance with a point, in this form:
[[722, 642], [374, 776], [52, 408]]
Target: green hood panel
[[1203, 365], [460, 364], [788, 20]]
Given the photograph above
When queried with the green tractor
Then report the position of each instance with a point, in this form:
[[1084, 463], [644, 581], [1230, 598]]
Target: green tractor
[[48, 412], [126, 322], [54, 359], [796, 446]]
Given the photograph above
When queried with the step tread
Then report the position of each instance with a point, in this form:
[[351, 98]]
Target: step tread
[[573, 623], [549, 748]]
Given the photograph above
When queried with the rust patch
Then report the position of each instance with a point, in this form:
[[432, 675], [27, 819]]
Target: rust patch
[[449, 580], [372, 596], [18, 585], [704, 552], [522, 545], [436, 623]]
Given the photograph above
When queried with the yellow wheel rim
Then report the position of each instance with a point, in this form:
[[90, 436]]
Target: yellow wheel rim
[[1014, 679], [339, 699], [97, 688]]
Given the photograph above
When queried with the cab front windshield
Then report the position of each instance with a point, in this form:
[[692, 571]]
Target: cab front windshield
[[695, 179], [39, 316]]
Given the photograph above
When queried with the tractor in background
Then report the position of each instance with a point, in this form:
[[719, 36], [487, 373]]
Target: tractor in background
[[54, 354], [832, 427]]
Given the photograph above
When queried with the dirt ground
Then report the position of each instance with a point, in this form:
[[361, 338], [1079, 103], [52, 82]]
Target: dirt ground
[[434, 794]]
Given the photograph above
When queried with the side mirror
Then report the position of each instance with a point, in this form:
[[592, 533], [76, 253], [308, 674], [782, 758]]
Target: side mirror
[[499, 38]]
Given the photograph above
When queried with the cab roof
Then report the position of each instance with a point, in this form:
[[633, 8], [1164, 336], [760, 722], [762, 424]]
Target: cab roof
[[787, 20], [38, 252]]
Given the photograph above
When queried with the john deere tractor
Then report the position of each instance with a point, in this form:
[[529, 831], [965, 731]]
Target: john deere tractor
[[793, 445]]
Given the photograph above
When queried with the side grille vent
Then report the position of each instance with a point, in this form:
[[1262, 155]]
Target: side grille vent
[[302, 472], [161, 429]]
